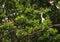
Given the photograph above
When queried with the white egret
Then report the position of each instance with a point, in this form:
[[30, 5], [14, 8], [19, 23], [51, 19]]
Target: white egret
[[11, 14], [51, 2], [3, 5], [3, 20], [6, 18], [14, 14], [42, 18], [57, 7]]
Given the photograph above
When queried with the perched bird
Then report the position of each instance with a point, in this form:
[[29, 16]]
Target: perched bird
[[14, 14], [3, 5], [51, 2], [11, 14], [6, 18], [3, 20], [42, 18], [57, 7]]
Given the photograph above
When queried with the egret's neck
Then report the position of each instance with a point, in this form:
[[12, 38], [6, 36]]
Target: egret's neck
[[41, 15]]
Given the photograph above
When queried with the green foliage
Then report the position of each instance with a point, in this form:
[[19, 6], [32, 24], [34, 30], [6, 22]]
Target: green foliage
[[20, 19], [57, 37], [20, 33], [7, 26], [24, 21], [52, 31]]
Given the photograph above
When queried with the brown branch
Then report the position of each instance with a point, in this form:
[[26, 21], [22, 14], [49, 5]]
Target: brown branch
[[55, 25]]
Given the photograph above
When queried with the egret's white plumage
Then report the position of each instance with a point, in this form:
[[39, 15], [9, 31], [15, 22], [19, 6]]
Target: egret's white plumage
[[11, 14], [57, 6], [3, 20], [6, 18], [3, 5], [14, 14], [42, 19], [51, 2]]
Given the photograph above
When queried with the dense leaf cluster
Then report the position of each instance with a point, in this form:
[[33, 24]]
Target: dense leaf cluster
[[20, 21]]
